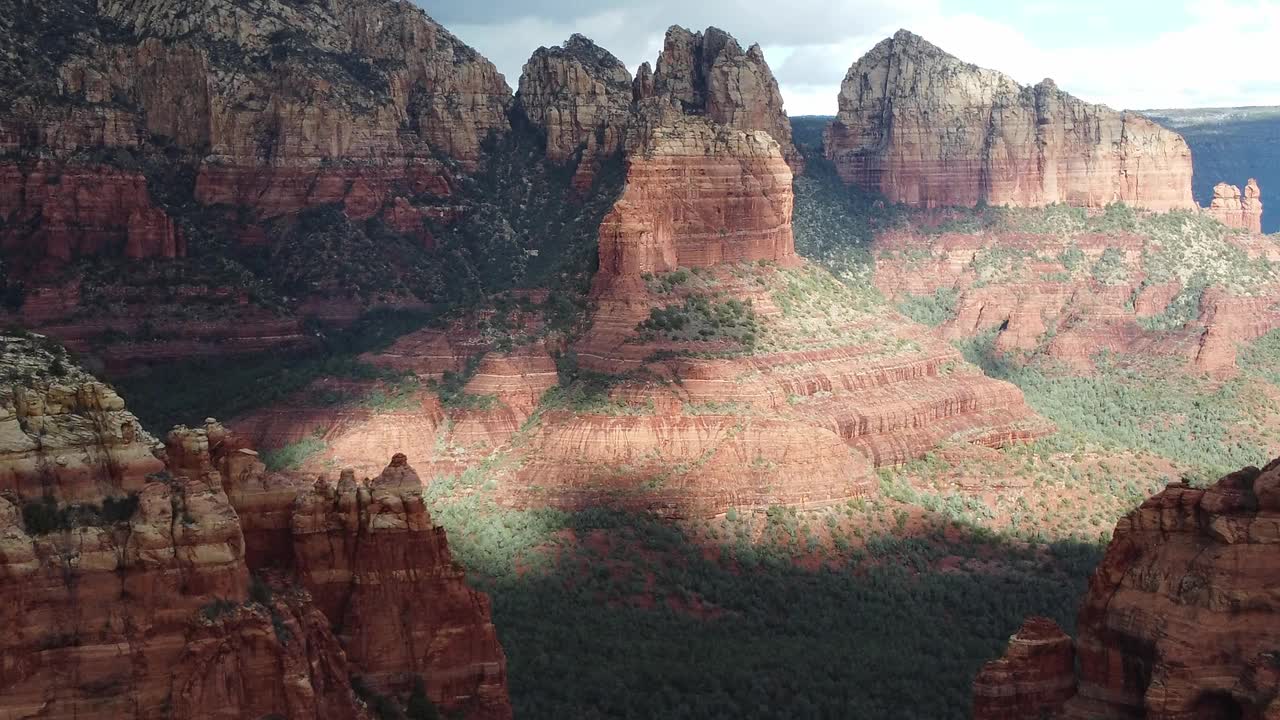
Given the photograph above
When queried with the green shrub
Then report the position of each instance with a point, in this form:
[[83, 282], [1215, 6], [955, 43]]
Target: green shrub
[[700, 318], [932, 310], [42, 517], [1110, 268], [217, 609], [293, 455]]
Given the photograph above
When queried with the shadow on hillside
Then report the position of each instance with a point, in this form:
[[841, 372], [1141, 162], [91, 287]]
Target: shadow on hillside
[[606, 614]]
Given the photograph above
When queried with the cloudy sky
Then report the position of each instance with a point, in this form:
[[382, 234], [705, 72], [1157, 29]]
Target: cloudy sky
[[1133, 54]]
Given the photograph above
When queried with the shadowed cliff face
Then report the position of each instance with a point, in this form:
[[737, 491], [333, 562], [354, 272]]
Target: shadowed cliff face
[[1180, 620], [926, 129]]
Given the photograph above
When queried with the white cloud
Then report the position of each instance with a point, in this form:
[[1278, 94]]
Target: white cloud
[[1224, 55]]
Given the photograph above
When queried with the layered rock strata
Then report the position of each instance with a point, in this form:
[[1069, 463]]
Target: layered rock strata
[[1180, 618], [697, 194], [926, 129]]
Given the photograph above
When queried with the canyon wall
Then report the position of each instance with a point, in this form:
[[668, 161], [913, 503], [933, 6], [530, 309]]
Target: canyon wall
[[1180, 620], [131, 587], [203, 134], [926, 129]]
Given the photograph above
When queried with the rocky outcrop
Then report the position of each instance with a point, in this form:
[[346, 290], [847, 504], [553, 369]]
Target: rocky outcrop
[[130, 588], [926, 129], [63, 213], [63, 435], [1238, 210], [579, 94], [373, 562], [708, 74], [381, 571], [1180, 618], [1036, 674]]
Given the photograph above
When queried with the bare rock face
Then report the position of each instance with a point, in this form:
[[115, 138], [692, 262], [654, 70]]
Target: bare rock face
[[579, 94], [924, 128], [63, 434], [1180, 618], [275, 660], [125, 581], [708, 74], [1238, 210], [1037, 673]]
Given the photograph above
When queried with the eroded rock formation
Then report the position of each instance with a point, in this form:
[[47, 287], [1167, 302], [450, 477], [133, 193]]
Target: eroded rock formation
[[1238, 210], [1036, 674], [1180, 618], [697, 194], [708, 74], [924, 128], [128, 588]]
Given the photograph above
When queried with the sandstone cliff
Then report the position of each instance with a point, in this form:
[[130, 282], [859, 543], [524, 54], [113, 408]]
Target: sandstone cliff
[[1180, 618], [128, 589], [924, 128], [225, 137], [283, 106], [697, 194]]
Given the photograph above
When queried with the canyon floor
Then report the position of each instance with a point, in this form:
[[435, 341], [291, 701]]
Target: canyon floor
[[831, 609]]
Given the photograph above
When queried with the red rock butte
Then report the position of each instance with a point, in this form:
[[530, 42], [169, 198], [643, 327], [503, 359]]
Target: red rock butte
[[927, 129]]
